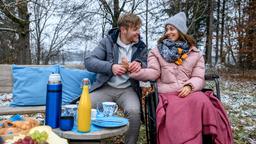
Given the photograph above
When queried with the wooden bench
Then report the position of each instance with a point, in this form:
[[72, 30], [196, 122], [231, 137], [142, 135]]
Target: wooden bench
[[6, 87]]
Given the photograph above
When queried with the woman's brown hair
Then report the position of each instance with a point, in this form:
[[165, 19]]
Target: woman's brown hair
[[183, 37]]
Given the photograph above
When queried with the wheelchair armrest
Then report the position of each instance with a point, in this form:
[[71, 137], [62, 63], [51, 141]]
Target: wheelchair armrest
[[211, 76], [215, 78]]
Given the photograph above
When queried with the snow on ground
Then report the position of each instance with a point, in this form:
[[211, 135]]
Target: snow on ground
[[239, 97]]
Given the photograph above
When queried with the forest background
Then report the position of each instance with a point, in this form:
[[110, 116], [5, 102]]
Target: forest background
[[65, 31]]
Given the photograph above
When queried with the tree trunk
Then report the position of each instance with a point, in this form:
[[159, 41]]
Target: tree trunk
[[18, 15], [103, 26], [38, 52], [222, 56], [240, 35], [217, 33], [230, 50], [38, 33], [23, 53], [46, 61], [209, 34], [116, 13]]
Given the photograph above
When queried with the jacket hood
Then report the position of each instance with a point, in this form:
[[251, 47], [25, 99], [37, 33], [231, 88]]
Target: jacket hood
[[113, 33]]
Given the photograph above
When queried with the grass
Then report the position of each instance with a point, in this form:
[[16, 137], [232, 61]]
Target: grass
[[120, 139]]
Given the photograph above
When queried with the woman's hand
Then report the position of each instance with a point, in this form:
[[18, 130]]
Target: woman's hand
[[134, 67], [185, 91]]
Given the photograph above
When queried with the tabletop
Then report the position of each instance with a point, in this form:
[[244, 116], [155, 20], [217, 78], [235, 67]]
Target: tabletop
[[96, 136]]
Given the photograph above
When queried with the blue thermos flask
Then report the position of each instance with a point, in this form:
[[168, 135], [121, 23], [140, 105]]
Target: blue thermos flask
[[53, 101]]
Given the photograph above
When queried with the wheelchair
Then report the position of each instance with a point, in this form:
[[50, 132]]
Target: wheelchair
[[149, 101]]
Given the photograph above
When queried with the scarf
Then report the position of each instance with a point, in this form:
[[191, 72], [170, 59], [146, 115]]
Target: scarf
[[175, 52]]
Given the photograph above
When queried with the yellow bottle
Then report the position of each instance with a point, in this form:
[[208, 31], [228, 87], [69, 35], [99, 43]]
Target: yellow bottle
[[84, 108]]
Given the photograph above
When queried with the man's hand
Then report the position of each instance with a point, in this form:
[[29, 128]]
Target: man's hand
[[134, 67], [185, 91], [118, 69]]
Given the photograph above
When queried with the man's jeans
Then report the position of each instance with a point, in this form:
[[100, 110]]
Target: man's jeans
[[128, 100]]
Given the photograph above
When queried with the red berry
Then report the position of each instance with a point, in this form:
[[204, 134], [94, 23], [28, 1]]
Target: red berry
[[27, 138]]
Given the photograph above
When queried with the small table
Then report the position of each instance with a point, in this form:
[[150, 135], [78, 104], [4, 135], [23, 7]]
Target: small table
[[91, 137]]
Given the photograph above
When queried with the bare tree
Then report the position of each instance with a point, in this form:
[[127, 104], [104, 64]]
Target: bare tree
[[115, 12], [230, 46], [217, 33], [103, 25], [68, 16], [17, 13], [115, 9], [222, 55], [209, 33], [41, 14]]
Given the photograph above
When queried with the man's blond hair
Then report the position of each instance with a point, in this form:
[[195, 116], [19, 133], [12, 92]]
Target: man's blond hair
[[129, 20]]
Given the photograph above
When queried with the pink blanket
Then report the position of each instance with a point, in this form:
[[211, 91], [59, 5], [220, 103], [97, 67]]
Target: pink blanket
[[183, 120]]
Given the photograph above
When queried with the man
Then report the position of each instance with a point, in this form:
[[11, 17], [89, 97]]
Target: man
[[119, 53]]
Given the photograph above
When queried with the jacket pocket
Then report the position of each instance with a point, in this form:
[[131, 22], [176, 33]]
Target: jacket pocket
[[168, 74]]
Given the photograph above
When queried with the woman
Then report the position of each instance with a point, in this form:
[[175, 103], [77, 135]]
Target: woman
[[184, 113]]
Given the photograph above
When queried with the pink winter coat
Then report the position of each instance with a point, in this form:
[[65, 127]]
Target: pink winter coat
[[171, 77]]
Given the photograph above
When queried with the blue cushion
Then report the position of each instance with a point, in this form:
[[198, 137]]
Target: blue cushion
[[71, 82], [30, 84]]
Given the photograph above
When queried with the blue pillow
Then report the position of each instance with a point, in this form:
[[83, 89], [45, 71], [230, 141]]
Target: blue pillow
[[71, 82], [30, 84]]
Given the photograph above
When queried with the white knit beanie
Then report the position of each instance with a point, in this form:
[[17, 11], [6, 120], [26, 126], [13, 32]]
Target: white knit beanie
[[179, 21]]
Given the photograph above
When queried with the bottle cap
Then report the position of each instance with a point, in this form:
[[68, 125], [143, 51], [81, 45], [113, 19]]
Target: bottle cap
[[86, 81], [54, 78]]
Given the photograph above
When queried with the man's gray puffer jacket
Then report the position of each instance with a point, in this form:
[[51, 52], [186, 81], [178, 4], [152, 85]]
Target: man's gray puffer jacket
[[105, 55]]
